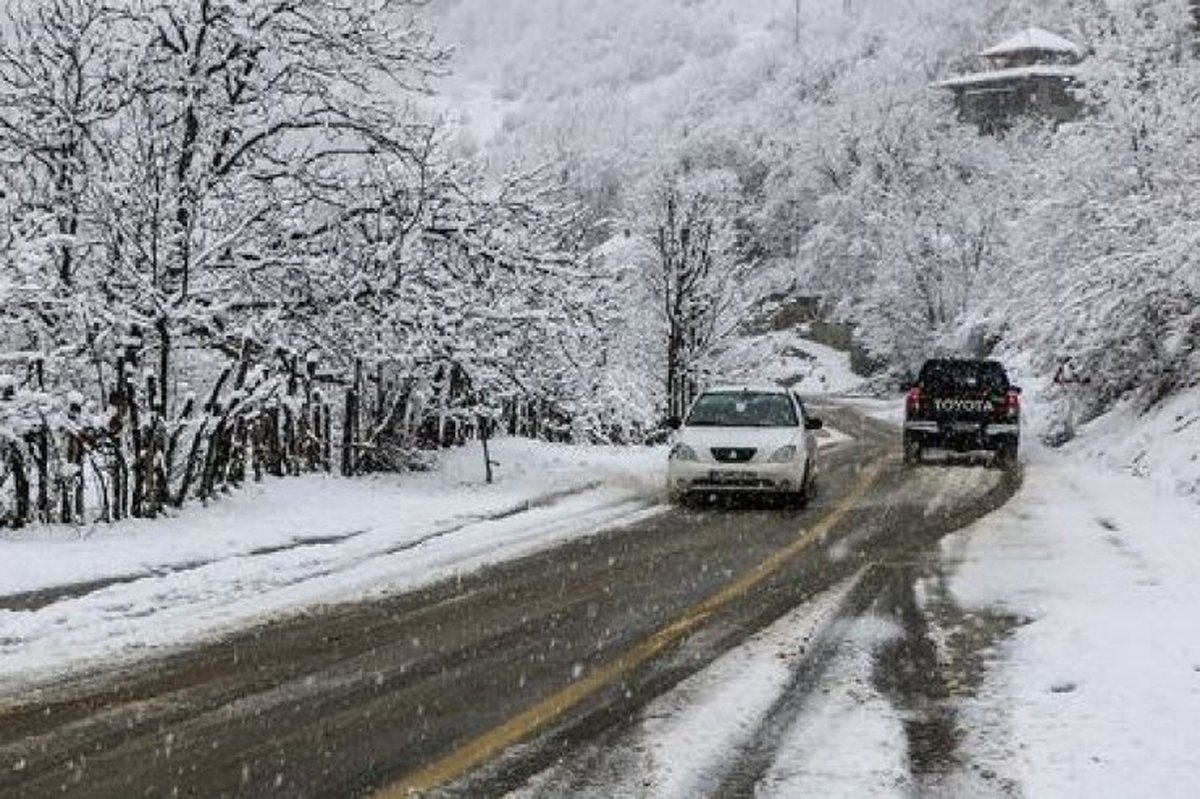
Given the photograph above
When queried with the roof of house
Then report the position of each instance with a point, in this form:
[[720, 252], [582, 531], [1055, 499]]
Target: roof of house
[[1005, 75], [1033, 39]]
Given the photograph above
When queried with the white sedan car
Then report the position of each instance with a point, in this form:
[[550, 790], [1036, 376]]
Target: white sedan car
[[744, 439]]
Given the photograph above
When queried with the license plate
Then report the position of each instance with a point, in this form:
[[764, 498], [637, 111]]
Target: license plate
[[965, 427], [724, 476]]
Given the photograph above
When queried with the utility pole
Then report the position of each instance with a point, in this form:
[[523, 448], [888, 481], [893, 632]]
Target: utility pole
[[796, 35]]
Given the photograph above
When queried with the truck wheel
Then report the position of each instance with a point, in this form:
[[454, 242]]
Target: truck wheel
[[913, 451], [1006, 454]]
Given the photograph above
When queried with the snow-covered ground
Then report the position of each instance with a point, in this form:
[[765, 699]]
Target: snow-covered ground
[[1094, 691], [1162, 446], [71, 598], [1101, 552], [686, 736], [786, 358], [1101, 688]]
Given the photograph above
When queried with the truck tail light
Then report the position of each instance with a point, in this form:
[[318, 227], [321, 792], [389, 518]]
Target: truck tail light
[[1012, 402], [913, 403]]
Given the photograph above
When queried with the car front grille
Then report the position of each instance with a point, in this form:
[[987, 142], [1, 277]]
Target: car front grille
[[733, 454]]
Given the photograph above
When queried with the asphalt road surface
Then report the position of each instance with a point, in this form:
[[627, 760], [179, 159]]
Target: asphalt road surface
[[471, 687]]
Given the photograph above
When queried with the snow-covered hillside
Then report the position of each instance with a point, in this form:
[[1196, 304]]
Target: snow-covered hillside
[[1162, 446], [1054, 246]]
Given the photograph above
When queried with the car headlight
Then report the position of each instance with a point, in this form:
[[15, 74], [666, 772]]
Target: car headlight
[[682, 452], [784, 454]]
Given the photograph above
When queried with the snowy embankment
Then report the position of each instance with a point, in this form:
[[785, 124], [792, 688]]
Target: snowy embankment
[[1100, 552], [1162, 446], [72, 598], [1100, 689], [785, 357]]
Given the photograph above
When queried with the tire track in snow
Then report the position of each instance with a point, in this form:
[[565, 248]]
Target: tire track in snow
[[906, 669]]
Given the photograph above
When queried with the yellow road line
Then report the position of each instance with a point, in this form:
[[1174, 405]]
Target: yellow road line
[[541, 715]]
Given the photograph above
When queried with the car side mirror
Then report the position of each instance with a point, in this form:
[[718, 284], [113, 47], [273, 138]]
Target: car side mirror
[[674, 422], [813, 423]]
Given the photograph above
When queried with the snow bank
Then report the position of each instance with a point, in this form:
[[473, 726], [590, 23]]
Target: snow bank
[[1163, 445], [71, 598], [1101, 687], [278, 513]]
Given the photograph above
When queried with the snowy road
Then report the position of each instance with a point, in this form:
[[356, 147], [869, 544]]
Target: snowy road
[[551, 644], [1045, 650]]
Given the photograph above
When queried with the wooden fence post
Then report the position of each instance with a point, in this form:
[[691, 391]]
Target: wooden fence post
[[20, 485], [348, 432]]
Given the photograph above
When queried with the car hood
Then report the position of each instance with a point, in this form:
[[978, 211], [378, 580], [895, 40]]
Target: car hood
[[761, 438]]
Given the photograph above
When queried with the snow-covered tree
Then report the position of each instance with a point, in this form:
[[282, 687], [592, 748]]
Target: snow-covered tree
[[693, 271], [1112, 284], [219, 216]]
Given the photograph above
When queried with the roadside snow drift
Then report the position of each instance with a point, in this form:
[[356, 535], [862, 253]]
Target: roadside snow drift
[[1101, 688], [71, 598]]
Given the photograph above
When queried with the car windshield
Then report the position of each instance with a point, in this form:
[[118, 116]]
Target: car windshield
[[742, 409]]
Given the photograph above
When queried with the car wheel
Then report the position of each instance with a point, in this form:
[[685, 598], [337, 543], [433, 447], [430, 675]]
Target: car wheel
[[800, 498]]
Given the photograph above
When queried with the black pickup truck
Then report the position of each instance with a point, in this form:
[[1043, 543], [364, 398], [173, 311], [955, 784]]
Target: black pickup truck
[[962, 405]]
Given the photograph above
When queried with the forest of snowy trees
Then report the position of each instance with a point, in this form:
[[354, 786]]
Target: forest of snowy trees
[[845, 174], [231, 246], [242, 238]]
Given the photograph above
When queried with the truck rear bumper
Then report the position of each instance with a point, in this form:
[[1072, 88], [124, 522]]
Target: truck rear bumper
[[960, 435]]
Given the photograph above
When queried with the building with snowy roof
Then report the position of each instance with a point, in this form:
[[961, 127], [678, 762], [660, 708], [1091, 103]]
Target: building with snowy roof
[[1032, 72]]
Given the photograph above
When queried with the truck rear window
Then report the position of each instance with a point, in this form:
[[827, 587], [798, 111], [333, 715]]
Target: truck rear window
[[960, 376]]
